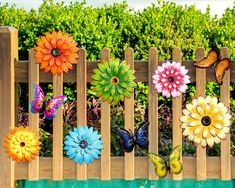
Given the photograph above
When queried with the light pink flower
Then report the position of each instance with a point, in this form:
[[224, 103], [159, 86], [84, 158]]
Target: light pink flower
[[170, 79]]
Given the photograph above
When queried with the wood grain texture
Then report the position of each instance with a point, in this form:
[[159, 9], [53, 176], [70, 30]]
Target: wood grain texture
[[58, 131], [129, 120], [141, 68], [8, 55], [81, 104], [177, 113], [152, 110], [225, 144], [33, 171], [200, 91], [105, 130], [117, 168]]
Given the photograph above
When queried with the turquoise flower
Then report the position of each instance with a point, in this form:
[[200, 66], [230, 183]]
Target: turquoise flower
[[83, 144]]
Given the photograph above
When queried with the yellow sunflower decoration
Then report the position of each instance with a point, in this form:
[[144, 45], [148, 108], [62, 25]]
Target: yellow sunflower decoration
[[205, 121], [22, 144]]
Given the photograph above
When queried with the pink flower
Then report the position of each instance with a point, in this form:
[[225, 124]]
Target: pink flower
[[171, 79]]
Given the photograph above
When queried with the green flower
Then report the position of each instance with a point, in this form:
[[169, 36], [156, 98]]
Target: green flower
[[113, 81]]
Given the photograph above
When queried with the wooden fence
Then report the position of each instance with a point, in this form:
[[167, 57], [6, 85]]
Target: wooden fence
[[127, 167]]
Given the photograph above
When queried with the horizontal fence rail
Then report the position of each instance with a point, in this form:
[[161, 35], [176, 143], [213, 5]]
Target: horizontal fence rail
[[118, 165], [141, 69], [128, 167]]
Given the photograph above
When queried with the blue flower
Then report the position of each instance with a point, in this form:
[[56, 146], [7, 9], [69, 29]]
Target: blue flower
[[83, 144]]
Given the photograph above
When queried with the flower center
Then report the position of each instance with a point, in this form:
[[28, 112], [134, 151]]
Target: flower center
[[171, 79], [22, 144], [206, 121], [55, 52], [114, 80], [83, 144]]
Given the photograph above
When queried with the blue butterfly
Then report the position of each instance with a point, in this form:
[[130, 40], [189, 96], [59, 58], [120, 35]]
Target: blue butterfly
[[129, 140]]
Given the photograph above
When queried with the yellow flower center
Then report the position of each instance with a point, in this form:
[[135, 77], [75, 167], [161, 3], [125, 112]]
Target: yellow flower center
[[171, 79], [206, 121], [114, 80], [22, 144], [55, 52]]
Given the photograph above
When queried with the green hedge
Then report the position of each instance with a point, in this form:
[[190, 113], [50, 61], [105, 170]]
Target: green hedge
[[164, 25]]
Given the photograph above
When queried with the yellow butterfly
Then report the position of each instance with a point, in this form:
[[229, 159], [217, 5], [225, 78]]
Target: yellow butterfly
[[163, 166]]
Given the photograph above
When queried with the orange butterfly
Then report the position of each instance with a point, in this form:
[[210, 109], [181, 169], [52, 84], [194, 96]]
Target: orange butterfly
[[221, 65]]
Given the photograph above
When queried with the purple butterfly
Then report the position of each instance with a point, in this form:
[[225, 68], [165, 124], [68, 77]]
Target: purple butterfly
[[49, 108]]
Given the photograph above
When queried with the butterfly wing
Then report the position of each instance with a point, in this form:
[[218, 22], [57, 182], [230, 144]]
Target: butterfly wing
[[52, 106], [221, 67], [209, 60], [37, 103], [142, 136], [127, 139], [159, 163], [174, 160]]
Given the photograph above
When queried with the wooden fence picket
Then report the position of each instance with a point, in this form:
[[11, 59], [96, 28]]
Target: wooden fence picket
[[200, 91], [81, 103], [225, 144], [58, 131], [152, 110], [129, 120], [176, 113], [33, 167], [8, 56], [105, 130]]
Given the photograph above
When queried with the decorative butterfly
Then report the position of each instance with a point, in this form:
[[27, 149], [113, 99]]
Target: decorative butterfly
[[220, 65], [129, 140], [164, 165], [49, 108]]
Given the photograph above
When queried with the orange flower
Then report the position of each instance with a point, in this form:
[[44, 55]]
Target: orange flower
[[56, 52], [22, 144]]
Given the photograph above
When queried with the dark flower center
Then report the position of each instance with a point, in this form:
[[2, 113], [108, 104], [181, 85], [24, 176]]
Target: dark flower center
[[171, 79], [22, 144], [83, 144], [114, 80], [55, 52], [206, 121]]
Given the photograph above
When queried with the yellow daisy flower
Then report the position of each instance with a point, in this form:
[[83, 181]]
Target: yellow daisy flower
[[205, 121], [22, 144]]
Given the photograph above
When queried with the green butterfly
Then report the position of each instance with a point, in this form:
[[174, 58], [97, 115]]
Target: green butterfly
[[164, 165]]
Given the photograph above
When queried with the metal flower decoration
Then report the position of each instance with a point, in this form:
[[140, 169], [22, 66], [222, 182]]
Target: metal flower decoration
[[56, 52], [83, 144], [205, 121], [22, 144], [113, 81], [171, 79]]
